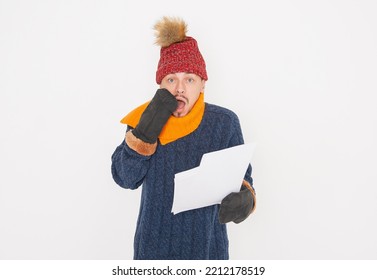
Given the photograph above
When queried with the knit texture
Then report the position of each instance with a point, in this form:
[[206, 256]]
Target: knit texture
[[181, 57], [194, 234]]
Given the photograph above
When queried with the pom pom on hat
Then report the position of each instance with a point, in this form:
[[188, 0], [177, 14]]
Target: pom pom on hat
[[179, 53], [169, 31]]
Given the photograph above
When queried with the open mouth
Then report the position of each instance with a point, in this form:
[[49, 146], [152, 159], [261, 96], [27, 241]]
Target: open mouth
[[181, 103]]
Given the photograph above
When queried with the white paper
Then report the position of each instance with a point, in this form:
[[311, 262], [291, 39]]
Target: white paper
[[219, 174]]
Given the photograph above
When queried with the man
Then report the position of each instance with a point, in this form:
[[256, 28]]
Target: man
[[168, 135]]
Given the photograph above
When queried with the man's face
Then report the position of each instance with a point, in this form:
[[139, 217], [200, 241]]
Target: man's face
[[186, 88]]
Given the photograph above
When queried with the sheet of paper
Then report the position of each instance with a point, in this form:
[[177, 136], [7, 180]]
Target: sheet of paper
[[218, 174]]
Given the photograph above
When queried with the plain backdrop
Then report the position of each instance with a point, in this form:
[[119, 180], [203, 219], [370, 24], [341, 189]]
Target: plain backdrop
[[301, 76]]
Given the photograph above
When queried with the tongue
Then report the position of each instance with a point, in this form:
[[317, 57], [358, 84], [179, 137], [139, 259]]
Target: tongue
[[181, 104]]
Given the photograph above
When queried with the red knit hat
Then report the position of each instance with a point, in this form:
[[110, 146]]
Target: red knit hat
[[179, 53]]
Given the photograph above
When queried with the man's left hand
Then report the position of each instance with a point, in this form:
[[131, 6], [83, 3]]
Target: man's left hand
[[236, 206]]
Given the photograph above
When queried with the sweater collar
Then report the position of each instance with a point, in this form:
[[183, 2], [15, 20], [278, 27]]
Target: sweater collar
[[174, 128]]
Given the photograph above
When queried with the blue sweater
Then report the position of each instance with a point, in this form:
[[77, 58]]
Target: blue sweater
[[194, 234]]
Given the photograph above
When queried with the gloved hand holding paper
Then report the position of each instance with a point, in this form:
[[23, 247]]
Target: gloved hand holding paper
[[219, 174]]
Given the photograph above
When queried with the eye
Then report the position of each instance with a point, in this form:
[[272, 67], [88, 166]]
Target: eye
[[169, 80], [190, 80]]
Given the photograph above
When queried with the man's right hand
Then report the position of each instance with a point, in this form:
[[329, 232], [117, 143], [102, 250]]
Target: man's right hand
[[155, 116]]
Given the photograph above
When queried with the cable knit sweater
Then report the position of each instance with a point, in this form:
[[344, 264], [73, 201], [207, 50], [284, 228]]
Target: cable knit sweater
[[194, 234]]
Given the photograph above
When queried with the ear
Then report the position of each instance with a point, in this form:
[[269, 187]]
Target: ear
[[203, 85]]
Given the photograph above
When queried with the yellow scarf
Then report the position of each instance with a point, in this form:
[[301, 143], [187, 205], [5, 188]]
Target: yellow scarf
[[175, 128]]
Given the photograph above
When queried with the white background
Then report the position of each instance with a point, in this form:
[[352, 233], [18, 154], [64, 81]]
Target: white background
[[301, 75]]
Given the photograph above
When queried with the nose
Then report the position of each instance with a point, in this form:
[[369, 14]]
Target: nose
[[180, 89]]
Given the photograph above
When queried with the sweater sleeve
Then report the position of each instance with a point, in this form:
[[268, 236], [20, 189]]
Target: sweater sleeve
[[237, 139], [128, 167]]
